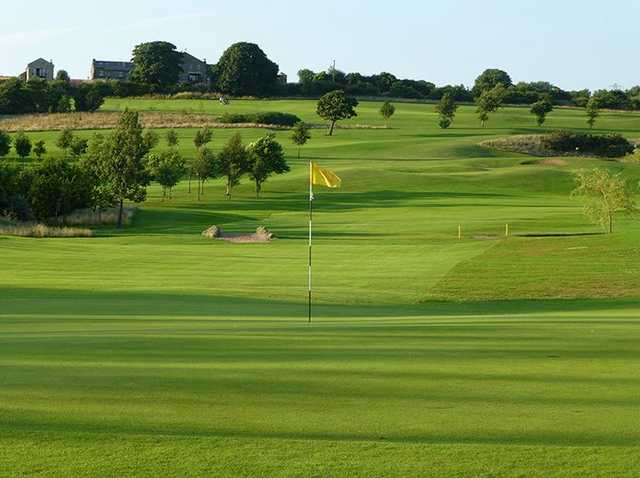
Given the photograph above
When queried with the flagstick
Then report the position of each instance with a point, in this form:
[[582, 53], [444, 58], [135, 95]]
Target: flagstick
[[310, 232]]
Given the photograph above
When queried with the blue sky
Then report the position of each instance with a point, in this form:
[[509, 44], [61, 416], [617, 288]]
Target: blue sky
[[574, 44]]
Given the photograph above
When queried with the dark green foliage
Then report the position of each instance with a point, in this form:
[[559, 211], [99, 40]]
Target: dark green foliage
[[202, 137], [15, 98], [203, 167], [5, 144], [39, 149], [167, 168], [119, 163], [65, 139], [335, 106], [266, 157], [603, 145], [540, 109], [22, 145], [57, 188], [78, 147], [172, 138], [446, 109], [65, 105], [268, 118], [300, 135], [12, 196], [151, 139], [62, 75], [232, 163], [489, 79], [157, 64], [244, 69], [90, 96], [489, 102]]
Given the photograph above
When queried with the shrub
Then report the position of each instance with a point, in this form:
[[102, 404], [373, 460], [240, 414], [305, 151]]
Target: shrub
[[40, 230], [603, 145], [270, 118]]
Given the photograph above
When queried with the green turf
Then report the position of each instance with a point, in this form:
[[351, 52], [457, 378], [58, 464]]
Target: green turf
[[154, 352]]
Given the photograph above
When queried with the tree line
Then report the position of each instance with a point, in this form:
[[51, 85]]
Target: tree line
[[108, 170]]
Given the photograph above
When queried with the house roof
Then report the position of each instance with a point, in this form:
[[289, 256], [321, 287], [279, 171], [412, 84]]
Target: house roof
[[40, 61], [113, 65]]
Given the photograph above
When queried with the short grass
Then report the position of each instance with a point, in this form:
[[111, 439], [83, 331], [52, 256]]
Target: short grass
[[156, 352]]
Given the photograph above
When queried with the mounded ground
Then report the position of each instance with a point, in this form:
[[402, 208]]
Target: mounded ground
[[157, 352]]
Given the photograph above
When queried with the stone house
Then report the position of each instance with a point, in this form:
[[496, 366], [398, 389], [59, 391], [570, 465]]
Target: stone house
[[40, 68], [110, 70], [194, 70]]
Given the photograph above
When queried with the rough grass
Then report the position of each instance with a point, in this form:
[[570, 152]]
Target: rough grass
[[102, 217], [41, 230]]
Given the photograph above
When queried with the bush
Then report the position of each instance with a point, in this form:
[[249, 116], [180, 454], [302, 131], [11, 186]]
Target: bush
[[603, 145], [270, 118]]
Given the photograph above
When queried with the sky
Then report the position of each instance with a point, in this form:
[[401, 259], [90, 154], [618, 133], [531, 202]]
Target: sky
[[573, 44]]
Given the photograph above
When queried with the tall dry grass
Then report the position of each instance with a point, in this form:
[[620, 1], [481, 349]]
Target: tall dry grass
[[41, 230], [100, 217]]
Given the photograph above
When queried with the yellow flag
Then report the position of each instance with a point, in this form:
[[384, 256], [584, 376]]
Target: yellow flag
[[324, 177]]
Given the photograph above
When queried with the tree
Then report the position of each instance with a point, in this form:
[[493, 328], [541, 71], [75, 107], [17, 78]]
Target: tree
[[167, 168], [39, 149], [593, 111], [606, 194], [22, 145], [489, 79], [447, 110], [65, 104], [203, 137], [57, 188], [540, 109], [203, 167], [158, 64], [335, 106], [387, 110], [78, 147], [62, 75], [244, 69], [5, 144], [300, 135], [489, 102], [65, 140], [232, 163], [150, 139], [172, 138], [121, 163], [266, 157]]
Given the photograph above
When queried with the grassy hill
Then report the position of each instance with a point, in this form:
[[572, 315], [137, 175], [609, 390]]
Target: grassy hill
[[154, 351]]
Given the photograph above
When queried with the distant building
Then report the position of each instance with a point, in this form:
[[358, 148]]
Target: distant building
[[282, 78], [194, 70], [40, 68], [110, 70]]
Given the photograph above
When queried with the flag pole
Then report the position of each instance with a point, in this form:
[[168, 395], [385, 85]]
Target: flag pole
[[310, 232]]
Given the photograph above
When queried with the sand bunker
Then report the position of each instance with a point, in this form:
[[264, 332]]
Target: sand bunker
[[261, 235]]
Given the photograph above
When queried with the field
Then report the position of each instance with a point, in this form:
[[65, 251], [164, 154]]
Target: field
[[154, 352]]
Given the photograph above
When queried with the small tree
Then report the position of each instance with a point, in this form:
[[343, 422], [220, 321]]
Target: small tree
[[172, 138], [593, 111], [606, 194], [300, 135], [387, 110], [5, 144], [65, 104], [266, 157], [446, 109], [39, 149], [121, 163], [167, 169], [150, 139], [489, 102], [336, 106], [62, 75], [203, 167], [232, 163], [541, 109], [64, 140], [203, 137], [22, 145], [78, 147]]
